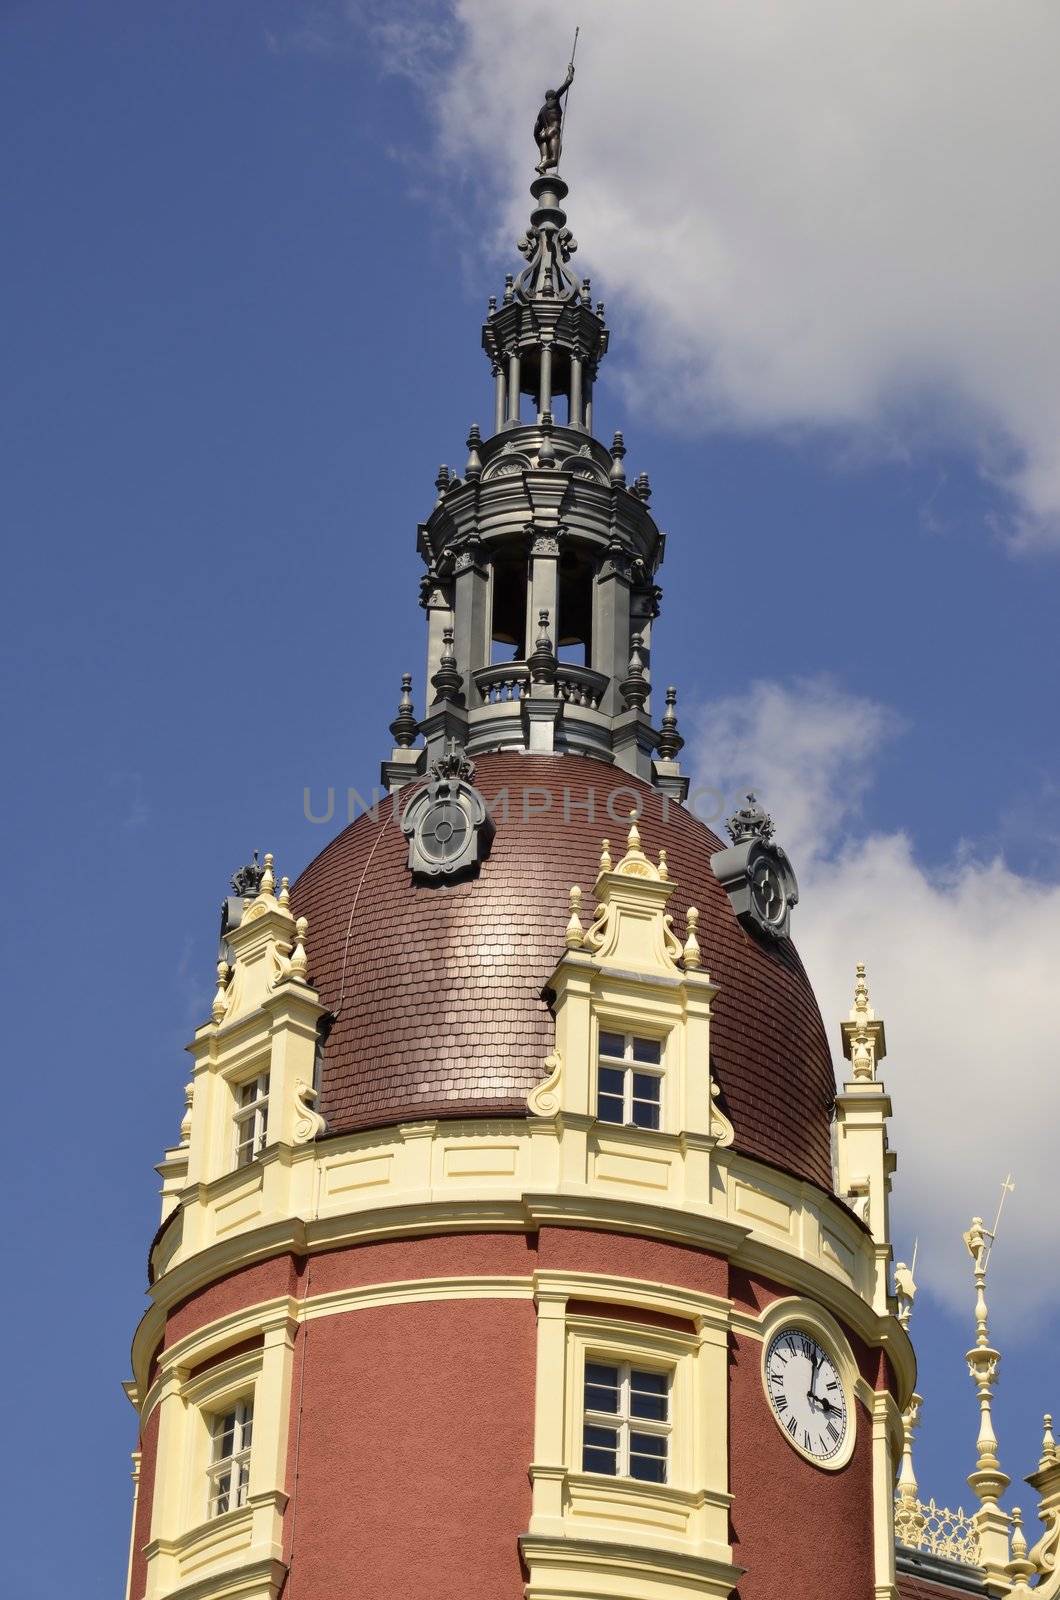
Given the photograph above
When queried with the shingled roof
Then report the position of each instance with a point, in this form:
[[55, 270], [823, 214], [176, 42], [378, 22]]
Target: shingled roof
[[438, 988]]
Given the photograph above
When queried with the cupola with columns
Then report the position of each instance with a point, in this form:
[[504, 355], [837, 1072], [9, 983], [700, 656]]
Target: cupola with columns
[[541, 558]]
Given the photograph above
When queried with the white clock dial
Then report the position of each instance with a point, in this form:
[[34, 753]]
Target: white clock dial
[[806, 1393]]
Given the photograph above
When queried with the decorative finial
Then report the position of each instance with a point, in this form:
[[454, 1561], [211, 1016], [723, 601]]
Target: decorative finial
[[404, 726], [618, 451], [670, 743], [509, 288], [220, 999], [441, 482], [247, 881], [473, 468], [664, 871], [586, 292], [634, 687], [605, 856], [1019, 1567], [542, 661], [185, 1121], [642, 487], [575, 935], [1049, 1454], [491, 305], [750, 822], [299, 967], [633, 836], [268, 881], [284, 896], [600, 310], [447, 680], [692, 954]]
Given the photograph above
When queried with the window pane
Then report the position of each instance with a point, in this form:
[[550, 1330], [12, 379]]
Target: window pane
[[646, 1086], [648, 1396], [609, 1108], [609, 1080], [648, 1466], [645, 1113], [225, 1436], [600, 1450], [601, 1387], [649, 1050], [612, 1044]]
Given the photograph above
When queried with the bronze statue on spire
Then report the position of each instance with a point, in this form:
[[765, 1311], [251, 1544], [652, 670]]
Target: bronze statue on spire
[[548, 129]]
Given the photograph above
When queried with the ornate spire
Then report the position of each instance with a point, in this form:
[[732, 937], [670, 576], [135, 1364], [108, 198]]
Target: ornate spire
[[542, 661], [864, 1040], [670, 743], [447, 680], [634, 686], [404, 726], [988, 1482]]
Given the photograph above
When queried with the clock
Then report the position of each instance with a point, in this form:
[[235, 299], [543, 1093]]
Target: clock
[[808, 1397]]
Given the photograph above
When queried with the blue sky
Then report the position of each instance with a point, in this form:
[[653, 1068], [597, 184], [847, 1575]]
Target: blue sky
[[246, 267]]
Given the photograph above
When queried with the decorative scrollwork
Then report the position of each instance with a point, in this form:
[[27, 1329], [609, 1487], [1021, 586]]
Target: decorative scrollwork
[[937, 1531]]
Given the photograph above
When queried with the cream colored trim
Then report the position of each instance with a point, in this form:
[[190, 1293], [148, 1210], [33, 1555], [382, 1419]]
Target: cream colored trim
[[239, 1552], [886, 1447], [414, 1290], [794, 1248], [687, 1518], [803, 1315], [561, 1568]]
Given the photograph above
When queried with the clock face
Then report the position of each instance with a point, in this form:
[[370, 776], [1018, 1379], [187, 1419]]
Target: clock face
[[807, 1395]]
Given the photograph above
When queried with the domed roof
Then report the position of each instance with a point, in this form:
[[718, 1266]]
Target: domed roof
[[437, 988]]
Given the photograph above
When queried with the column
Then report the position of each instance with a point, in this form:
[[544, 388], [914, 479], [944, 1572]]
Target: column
[[544, 394], [471, 619], [574, 407], [611, 629], [500, 396], [513, 384], [544, 587]]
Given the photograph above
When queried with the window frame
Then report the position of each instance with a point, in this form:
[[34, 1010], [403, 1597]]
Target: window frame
[[630, 1067], [253, 1113], [237, 1463], [622, 1422]]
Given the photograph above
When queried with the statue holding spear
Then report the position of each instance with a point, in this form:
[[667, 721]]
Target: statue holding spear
[[548, 129]]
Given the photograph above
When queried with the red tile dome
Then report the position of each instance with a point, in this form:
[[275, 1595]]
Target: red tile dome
[[437, 987]]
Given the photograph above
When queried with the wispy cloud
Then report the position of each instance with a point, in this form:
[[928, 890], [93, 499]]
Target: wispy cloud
[[962, 958]]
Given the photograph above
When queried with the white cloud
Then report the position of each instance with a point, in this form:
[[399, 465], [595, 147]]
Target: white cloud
[[962, 965], [822, 215]]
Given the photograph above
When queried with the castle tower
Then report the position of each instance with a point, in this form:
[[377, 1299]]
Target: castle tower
[[501, 1251]]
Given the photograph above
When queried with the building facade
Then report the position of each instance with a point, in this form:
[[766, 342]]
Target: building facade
[[516, 1242]]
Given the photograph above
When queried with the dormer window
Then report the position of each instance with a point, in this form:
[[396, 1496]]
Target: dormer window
[[252, 1118], [629, 1080]]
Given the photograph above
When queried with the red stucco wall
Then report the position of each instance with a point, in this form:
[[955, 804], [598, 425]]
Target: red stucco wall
[[801, 1532], [412, 1426]]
